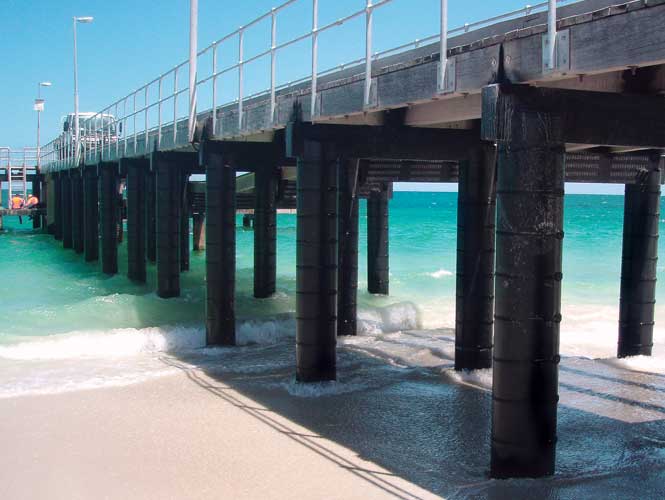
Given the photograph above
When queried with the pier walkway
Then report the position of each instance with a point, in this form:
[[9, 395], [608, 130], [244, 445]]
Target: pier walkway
[[509, 108]]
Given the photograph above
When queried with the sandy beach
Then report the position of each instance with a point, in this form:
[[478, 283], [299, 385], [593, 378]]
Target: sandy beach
[[400, 423], [180, 436]]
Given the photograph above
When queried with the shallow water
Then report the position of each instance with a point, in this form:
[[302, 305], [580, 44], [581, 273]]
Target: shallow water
[[55, 308]]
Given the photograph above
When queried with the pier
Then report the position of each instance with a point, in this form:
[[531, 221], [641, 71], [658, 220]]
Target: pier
[[510, 109]]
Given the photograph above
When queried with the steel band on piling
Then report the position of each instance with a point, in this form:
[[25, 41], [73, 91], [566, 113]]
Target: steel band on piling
[[476, 214], [316, 263], [378, 260], [639, 262], [529, 239], [220, 250], [265, 232], [91, 214], [109, 216], [347, 283]]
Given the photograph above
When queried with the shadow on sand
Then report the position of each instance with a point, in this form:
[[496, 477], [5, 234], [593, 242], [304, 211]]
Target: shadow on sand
[[419, 425]]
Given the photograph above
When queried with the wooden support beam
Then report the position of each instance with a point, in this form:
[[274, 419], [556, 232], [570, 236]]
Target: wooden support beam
[[378, 242], [387, 141], [66, 207], [37, 191], [221, 247], [151, 216], [91, 213], [108, 210], [137, 170], [639, 262], [199, 232], [168, 212], [581, 117], [316, 263], [529, 237], [57, 205], [265, 231], [347, 282], [184, 227], [476, 214], [77, 211]]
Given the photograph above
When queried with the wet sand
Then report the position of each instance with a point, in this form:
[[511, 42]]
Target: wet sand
[[173, 438], [400, 423]]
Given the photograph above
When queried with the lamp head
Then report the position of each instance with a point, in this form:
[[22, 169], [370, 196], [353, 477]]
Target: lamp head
[[85, 19]]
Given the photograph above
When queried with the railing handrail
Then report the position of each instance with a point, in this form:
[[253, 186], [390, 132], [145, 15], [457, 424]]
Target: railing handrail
[[100, 140]]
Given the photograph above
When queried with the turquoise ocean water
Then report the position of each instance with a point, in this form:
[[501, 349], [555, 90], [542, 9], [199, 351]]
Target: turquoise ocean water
[[54, 305]]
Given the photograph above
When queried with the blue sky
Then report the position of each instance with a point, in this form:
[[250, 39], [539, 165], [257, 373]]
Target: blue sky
[[133, 41]]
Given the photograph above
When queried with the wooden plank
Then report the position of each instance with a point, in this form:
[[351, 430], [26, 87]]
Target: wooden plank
[[636, 38]]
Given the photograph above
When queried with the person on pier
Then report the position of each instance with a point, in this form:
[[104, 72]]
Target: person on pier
[[17, 204]]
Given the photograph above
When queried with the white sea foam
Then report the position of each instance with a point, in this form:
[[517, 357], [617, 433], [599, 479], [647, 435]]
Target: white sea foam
[[318, 389], [106, 344], [393, 318], [441, 273]]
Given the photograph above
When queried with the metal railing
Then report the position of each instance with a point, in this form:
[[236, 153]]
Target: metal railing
[[15, 163], [132, 133]]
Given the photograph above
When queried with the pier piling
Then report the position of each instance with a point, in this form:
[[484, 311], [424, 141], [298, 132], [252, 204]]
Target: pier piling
[[221, 249], [136, 218], [91, 214], [108, 216], [77, 211], [265, 231], [150, 216], [184, 226], [57, 205], [347, 282], [476, 213], [529, 237], [37, 191], [378, 281], [66, 206], [316, 263], [199, 232], [639, 262], [168, 213]]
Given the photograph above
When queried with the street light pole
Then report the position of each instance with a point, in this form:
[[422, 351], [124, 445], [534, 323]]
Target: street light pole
[[193, 42], [39, 106], [77, 138]]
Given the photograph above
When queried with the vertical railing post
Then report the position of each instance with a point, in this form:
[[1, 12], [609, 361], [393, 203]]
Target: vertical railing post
[[273, 62], [146, 147], [175, 105], [124, 121], [117, 130], [134, 122], [443, 46], [551, 34], [241, 42], [368, 53], [159, 111], [100, 118], [214, 89], [315, 54]]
